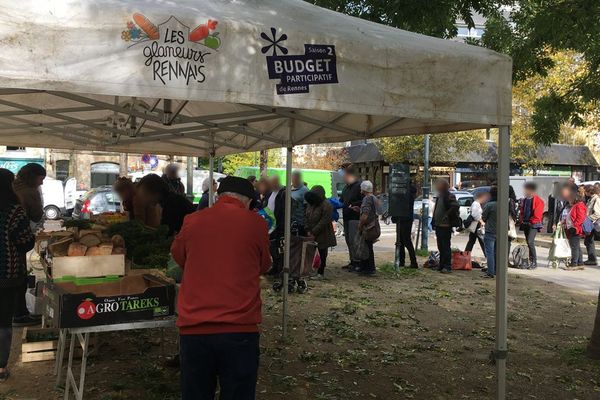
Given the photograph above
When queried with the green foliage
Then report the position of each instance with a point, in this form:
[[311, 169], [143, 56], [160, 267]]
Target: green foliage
[[146, 247], [538, 29], [442, 147], [434, 17], [234, 161]]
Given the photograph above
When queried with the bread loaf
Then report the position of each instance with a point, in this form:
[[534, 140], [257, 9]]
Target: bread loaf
[[77, 249]]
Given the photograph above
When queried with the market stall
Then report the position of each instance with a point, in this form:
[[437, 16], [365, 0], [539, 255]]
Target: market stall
[[205, 78]]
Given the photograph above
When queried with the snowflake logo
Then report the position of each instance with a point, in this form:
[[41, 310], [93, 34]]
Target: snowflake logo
[[274, 42]]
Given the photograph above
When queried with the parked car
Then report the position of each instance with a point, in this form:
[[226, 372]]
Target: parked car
[[97, 201], [465, 199], [479, 189]]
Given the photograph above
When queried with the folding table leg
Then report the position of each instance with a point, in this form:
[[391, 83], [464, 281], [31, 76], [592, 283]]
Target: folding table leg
[[69, 368], [60, 353], [85, 345]]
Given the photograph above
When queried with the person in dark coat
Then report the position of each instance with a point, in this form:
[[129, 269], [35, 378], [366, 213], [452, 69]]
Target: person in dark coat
[[206, 193], [352, 200], [16, 239], [445, 217], [171, 177], [27, 187], [318, 223], [276, 202], [174, 206], [404, 229]]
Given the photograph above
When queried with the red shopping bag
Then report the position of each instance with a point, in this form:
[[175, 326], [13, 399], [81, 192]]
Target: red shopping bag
[[317, 261], [461, 260]]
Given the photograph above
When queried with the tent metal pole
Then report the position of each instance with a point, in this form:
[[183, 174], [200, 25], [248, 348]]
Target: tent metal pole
[[501, 350], [287, 228], [211, 169], [190, 177]]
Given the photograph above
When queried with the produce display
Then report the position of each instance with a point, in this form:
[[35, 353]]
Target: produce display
[[84, 242], [145, 247], [110, 218]]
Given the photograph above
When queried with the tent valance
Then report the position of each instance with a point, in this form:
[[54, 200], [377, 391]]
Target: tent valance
[[197, 76]]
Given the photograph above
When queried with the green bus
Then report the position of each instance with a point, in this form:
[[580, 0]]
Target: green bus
[[331, 180]]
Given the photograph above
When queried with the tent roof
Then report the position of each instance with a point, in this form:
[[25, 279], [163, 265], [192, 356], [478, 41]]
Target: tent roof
[[96, 74]]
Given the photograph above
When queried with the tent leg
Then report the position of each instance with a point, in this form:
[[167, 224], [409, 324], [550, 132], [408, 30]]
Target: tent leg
[[287, 231], [190, 178], [211, 168], [501, 349]]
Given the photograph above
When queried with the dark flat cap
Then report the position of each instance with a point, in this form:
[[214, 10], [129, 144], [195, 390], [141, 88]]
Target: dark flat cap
[[233, 184]]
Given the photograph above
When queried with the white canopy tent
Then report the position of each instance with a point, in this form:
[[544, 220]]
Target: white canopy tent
[[206, 78]]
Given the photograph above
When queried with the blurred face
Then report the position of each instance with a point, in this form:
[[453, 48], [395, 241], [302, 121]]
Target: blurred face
[[275, 183], [349, 178], [263, 187], [40, 180], [172, 173], [528, 192], [566, 193], [296, 180], [440, 186]]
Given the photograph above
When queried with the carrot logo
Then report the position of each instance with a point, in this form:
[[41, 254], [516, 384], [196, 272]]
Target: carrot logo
[[141, 29]]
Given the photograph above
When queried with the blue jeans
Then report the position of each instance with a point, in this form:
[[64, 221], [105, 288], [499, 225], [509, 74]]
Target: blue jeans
[[489, 241], [231, 359]]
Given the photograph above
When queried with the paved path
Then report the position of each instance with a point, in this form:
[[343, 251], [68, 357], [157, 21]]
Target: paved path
[[587, 280]]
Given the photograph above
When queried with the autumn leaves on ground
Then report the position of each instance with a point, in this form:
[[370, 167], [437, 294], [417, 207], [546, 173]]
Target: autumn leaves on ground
[[413, 335]]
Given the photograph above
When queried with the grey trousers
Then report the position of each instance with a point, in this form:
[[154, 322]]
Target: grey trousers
[[350, 229]]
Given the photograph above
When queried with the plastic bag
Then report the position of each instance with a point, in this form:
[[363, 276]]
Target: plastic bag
[[360, 245], [560, 248], [317, 261], [461, 260]]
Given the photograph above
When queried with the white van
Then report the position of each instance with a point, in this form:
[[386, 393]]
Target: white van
[[59, 198]]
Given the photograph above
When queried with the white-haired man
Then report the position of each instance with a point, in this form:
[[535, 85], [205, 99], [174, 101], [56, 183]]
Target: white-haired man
[[222, 250]]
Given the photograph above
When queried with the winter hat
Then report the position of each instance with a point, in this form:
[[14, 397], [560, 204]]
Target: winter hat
[[233, 184]]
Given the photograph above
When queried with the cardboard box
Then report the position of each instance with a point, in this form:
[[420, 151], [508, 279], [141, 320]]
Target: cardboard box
[[129, 299], [88, 266]]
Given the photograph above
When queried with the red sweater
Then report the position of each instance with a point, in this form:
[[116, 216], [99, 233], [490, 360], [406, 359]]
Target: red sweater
[[223, 250], [577, 215], [537, 211]]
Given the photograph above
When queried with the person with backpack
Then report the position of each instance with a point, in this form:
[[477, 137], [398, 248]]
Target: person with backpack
[[573, 217], [530, 218], [445, 217], [593, 215]]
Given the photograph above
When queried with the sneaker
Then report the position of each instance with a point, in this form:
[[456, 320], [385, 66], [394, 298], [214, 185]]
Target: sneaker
[[348, 266], [26, 320], [4, 376], [413, 266], [173, 362], [317, 277], [592, 263], [488, 276], [446, 271]]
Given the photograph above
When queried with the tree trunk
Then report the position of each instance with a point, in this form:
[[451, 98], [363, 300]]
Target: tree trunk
[[264, 162], [593, 349]]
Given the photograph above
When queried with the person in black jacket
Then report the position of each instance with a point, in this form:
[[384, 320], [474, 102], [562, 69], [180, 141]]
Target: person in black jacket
[[276, 202], [16, 239], [404, 229], [174, 206], [445, 217], [352, 199]]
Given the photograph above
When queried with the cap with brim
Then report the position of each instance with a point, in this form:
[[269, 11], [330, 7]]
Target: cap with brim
[[233, 184]]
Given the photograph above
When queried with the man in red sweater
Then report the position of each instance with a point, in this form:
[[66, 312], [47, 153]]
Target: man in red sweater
[[222, 250]]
